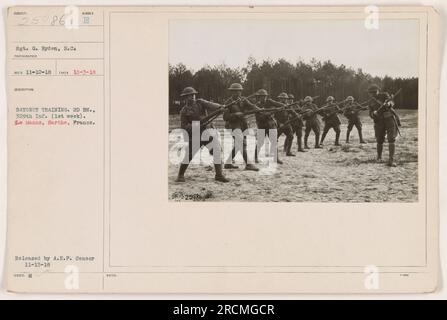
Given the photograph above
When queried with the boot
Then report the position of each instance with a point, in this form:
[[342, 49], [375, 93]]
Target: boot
[[306, 137], [361, 137], [275, 154], [289, 149], [337, 138], [379, 152], [251, 167], [392, 149], [300, 146], [230, 166], [256, 154], [219, 174], [181, 173], [317, 141], [322, 138], [347, 136]]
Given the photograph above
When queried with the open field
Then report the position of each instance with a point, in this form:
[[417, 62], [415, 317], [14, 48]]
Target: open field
[[333, 174]]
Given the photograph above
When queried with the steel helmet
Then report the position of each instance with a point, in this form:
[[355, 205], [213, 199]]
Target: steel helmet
[[350, 98], [235, 87], [330, 98], [373, 88], [188, 91], [291, 96], [283, 95], [261, 92], [308, 99]]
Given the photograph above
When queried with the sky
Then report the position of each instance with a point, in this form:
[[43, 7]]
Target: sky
[[391, 50]]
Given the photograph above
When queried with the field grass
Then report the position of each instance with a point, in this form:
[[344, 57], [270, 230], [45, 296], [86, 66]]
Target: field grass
[[333, 174]]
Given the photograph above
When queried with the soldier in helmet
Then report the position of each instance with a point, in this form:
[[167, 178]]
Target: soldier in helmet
[[331, 119], [297, 125], [351, 112], [386, 121], [265, 120], [194, 110], [235, 120], [312, 122], [282, 117]]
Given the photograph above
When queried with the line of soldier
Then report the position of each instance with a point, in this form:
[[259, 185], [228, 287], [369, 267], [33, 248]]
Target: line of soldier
[[289, 117]]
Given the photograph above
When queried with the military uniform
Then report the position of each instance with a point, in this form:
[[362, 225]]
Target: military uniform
[[195, 110], [297, 127], [351, 112], [234, 119], [386, 122], [267, 122], [312, 124], [282, 117], [331, 121]]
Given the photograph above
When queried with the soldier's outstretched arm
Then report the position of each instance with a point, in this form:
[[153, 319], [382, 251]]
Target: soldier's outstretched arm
[[276, 104], [208, 105], [247, 104]]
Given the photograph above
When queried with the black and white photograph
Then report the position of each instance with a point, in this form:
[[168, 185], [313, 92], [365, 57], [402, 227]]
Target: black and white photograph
[[293, 110]]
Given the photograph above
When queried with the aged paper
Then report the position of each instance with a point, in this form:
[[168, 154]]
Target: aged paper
[[96, 199]]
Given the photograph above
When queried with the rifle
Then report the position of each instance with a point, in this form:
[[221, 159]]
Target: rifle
[[206, 120], [299, 116], [397, 126], [260, 111], [291, 105], [241, 97], [331, 105], [387, 100], [360, 106]]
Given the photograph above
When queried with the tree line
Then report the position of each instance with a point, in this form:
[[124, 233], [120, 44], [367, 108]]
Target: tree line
[[315, 78]]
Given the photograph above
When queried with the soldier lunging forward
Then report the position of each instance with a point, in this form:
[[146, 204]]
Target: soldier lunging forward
[[195, 110], [297, 125], [331, 120], [351, 112], [312, 122], [235, 120]]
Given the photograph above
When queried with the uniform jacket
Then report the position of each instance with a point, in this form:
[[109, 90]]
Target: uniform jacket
[[313, 116], [234, 121], [351, 111], [194, 110], [281, 116], [266, 120], [330, 114], [386, 111]]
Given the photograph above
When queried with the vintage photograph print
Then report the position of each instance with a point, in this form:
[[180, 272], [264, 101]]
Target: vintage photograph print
[[293, 110]]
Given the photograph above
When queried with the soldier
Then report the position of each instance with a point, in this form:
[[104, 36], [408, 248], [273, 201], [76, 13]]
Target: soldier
[[386, 121], [297, 125], [282, 117], [312, 122], [195, 110], [235, 120], [351, 112], [331, 120], [265, 120]]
